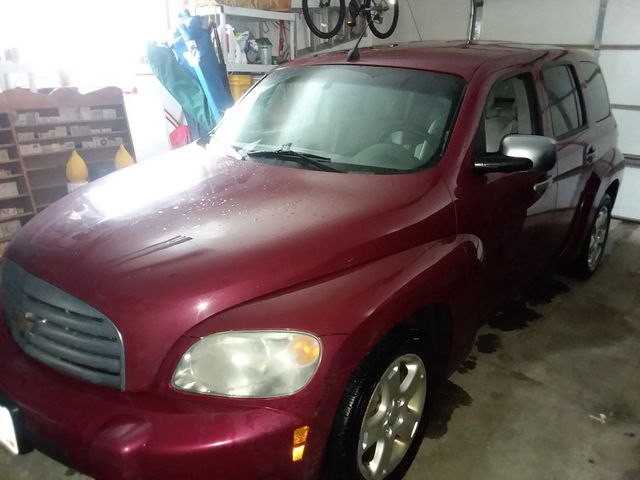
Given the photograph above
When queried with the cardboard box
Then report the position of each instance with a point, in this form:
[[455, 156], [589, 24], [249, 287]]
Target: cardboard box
[[10, 228], [68, 114], [109, 114], [30, 149], [8, 189], [85, 113], [4, 155], [10, 212], [26, 136]]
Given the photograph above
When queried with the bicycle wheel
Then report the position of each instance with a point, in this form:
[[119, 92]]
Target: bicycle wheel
[[379, 16], [326, 29]]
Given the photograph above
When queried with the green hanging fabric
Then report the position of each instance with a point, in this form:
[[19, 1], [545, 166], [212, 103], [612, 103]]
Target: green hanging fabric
[[181, 85]]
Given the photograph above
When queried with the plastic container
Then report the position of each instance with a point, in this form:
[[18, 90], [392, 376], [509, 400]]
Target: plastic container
[[239, 84], [265, 54]]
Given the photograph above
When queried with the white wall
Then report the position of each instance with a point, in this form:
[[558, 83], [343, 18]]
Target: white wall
[[540, 21], [435, 20]]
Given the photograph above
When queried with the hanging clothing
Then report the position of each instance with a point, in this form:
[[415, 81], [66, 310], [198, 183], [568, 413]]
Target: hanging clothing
[[196, 48], [183, 87]]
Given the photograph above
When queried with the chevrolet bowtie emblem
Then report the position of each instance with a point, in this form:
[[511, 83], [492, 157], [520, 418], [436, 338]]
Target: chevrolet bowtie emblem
[[23, 322]]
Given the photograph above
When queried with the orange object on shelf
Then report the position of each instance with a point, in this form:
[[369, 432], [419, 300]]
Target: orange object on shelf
[[76, 170], [239, 85], [123, 158]]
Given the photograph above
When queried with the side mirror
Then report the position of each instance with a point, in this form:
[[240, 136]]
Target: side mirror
[[519, 153]]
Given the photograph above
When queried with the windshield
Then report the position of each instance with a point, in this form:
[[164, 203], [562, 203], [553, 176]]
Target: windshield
[[366, 119]]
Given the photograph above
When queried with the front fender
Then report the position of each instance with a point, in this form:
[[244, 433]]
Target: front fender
[[351, 312]]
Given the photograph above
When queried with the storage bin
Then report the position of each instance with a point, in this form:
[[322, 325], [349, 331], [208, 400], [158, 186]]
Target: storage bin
[[239, 84]]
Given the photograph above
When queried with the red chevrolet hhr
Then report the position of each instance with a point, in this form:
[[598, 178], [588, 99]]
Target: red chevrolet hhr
[[279, 299]]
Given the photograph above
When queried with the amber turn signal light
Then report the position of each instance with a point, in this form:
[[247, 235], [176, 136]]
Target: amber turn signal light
[[299, 441]]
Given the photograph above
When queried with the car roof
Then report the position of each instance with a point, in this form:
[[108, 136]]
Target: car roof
[[457, 57]]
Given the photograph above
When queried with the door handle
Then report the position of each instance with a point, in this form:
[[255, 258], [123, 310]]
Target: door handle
[[590, 154]]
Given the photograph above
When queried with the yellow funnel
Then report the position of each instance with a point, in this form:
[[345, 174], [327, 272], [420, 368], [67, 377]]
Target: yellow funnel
[[76, 169], [123, 158]]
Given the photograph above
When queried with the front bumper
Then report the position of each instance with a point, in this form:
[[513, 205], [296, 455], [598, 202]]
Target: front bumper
[[112, 435]]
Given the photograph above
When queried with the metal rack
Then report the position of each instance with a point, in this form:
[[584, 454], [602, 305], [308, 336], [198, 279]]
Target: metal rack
[[224, 14]]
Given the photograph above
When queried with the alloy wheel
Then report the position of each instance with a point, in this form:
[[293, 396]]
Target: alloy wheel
[[598, 238], [392, 417]]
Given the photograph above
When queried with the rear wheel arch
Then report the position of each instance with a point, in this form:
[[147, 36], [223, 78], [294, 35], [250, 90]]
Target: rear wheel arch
[[612, 190]]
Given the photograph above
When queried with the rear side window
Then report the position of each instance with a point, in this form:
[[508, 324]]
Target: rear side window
[[564, 100], [596, 92]]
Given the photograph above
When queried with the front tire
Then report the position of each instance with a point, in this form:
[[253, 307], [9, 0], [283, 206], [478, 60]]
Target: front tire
[[593, 248], [381, 418]]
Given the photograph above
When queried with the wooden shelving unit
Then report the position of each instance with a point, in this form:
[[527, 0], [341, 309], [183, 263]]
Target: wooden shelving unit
[[16, 202], [38, 132]]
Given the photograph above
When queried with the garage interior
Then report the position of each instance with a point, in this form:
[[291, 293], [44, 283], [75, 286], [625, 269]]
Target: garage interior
[[551, 389]]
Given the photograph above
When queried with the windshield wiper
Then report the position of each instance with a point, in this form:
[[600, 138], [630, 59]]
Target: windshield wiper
[[304, 159]]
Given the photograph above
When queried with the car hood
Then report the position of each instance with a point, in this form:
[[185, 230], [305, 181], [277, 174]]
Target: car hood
[[160, 246]]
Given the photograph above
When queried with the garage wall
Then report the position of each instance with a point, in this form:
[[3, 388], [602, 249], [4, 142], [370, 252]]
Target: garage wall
[[540, 21], [433, 22], [567, 22], [620, 60]]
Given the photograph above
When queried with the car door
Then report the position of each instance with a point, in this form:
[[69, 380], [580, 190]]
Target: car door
[[567, 123], [510, 215]]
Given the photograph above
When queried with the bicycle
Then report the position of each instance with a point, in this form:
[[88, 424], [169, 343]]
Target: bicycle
[[373, 11]]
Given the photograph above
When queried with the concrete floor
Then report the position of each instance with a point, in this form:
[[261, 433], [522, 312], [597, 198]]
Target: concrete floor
[[551, 390]]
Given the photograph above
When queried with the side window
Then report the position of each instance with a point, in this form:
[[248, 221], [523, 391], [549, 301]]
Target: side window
[[564, 99], [509, 109], [596, 92]]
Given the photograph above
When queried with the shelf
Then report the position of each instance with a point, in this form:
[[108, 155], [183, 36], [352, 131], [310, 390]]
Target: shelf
[[51, 186], [62, 167], [42, 206], [72, 137], [9, 162], [14, 197], [7, 145], [249, 68], [79, 150], [12, 176], [5, 129], [16, 217], [265, 15], [70, 122]]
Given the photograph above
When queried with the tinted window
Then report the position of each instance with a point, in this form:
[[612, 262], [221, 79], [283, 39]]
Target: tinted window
[[596, 91], [509, 110], [564, 100]]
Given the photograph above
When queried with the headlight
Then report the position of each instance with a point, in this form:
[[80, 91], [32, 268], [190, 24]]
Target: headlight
[[249, 364]]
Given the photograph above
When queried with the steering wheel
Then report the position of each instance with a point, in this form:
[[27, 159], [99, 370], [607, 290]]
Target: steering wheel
[[404, 127]]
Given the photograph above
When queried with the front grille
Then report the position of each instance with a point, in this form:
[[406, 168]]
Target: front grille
[[61, 331]]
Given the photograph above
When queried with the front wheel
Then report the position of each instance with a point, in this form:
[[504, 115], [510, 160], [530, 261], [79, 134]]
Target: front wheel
[[325, 27], [381, 418], [382, 16]]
